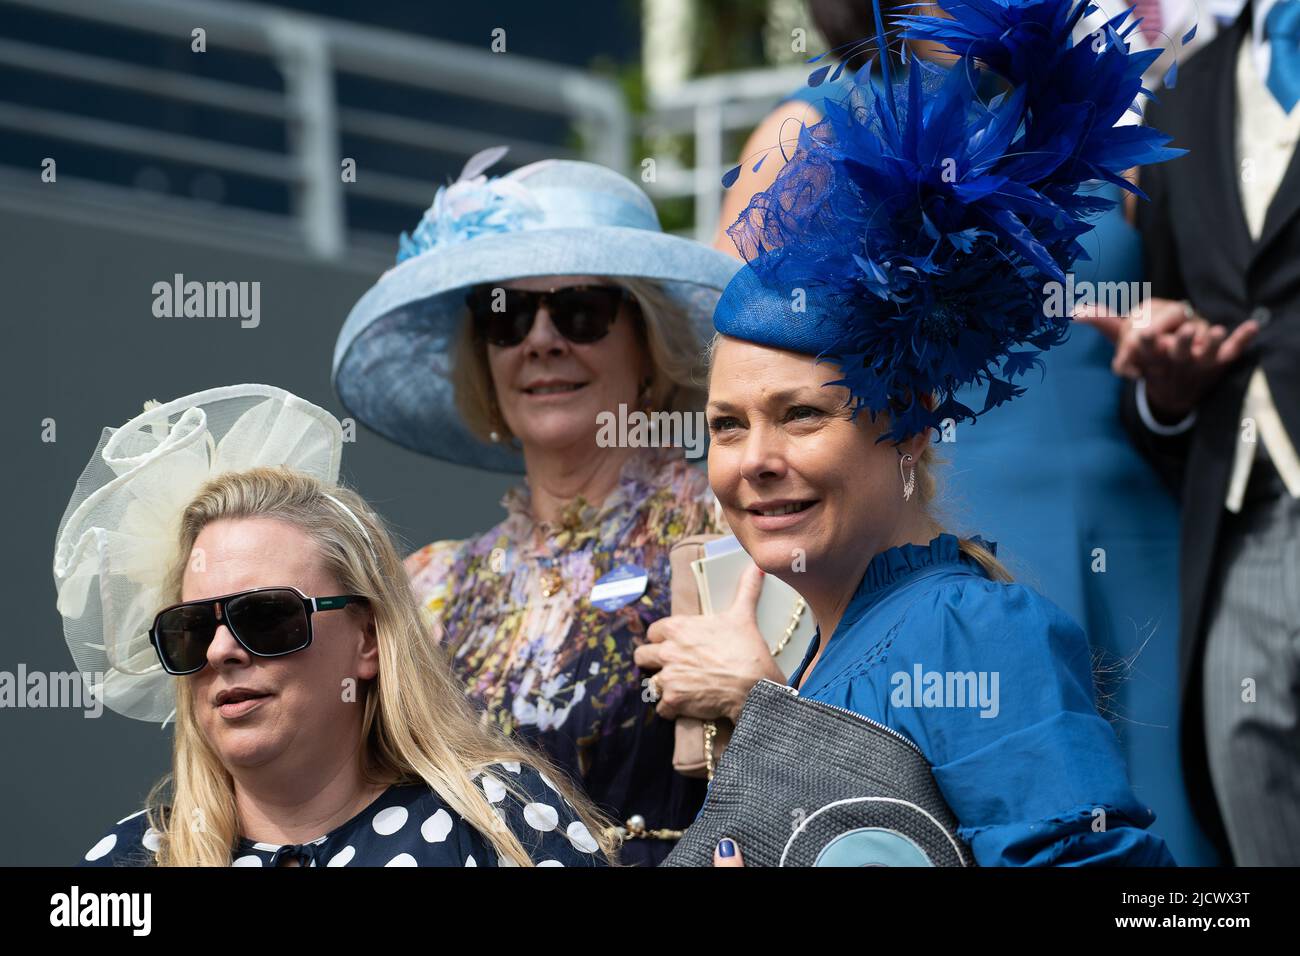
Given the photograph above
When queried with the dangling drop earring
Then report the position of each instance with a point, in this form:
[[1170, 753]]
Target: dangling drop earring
[[494, 434], [909, 480]]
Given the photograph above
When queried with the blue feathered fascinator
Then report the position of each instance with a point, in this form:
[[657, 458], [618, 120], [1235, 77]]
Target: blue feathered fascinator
[[910, 236]]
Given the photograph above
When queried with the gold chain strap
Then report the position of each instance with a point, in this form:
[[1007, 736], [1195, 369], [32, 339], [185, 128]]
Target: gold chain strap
[[790, 628], [636, 829], [710, 731]]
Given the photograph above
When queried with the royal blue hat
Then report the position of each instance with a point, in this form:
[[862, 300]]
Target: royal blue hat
[[911, 236], [393, 358]]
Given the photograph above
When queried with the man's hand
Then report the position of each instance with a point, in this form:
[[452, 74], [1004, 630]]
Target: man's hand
[[1178, 353]]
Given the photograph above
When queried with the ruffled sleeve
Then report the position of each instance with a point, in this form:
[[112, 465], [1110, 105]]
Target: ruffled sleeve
[[1033, 773]]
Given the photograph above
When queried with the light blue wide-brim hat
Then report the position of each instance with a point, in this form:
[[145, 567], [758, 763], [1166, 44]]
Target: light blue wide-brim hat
[[394, 355]]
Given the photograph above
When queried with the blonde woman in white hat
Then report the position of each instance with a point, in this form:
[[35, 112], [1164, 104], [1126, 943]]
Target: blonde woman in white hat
[[211, 572]]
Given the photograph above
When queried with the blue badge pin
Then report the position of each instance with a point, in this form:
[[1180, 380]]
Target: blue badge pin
[[619, 587]]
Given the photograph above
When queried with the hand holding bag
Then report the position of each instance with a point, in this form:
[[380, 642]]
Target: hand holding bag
[[705, 584], [698, 743]]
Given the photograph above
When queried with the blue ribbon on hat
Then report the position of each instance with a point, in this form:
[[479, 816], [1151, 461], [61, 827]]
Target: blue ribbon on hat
[[475, 206], [484, 211]]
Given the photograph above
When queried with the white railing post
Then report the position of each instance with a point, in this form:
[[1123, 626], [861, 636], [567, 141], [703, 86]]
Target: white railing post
[[303, 54], [310, 52], [708, 162]]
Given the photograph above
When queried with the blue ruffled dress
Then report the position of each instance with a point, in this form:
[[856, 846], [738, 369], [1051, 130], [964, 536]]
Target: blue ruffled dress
[[994, 683]]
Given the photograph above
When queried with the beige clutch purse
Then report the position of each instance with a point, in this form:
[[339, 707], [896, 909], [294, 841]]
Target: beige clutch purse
[[706, 584]]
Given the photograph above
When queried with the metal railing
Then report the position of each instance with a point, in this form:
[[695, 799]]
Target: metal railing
[[712, 110], [309, 53]]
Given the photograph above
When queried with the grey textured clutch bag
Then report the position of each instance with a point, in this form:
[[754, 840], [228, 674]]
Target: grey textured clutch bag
[[808, 784]]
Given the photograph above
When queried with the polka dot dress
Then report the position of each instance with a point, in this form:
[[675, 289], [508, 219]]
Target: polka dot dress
[[407, 825]]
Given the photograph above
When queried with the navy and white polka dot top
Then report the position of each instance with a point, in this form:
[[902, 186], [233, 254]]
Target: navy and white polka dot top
[[406, 825]]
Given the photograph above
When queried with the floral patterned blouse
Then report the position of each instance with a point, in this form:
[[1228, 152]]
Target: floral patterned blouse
[[512, 608]]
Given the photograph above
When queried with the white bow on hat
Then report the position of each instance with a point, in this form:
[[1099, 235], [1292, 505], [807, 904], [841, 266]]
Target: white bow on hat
[[119, 537]]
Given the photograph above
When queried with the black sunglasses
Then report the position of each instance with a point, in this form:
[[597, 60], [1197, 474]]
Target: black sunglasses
[[267, 622], [581, 313]]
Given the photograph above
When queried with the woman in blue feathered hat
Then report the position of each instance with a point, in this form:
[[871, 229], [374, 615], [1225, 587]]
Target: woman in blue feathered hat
[[909, 245]]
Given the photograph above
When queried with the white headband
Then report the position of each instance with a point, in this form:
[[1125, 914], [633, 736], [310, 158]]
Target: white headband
[[348, 511]]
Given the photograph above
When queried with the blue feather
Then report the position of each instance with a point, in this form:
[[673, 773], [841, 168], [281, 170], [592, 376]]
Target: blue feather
[[999, 392], [1018, 363], [883, 48], [929, 220]]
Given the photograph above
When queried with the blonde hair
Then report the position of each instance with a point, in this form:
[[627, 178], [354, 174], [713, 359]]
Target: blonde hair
[[927, 490], [417, 725], [664, 331]]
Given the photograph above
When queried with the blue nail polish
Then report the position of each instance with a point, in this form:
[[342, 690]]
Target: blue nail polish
[[726, 848]]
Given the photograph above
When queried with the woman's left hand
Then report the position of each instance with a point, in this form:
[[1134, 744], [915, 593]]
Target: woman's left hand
[[726, 853], [707, 664]]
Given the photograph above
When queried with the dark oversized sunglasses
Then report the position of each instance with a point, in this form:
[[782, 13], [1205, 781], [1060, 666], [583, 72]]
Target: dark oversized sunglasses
[[267, 622], [581, 313]]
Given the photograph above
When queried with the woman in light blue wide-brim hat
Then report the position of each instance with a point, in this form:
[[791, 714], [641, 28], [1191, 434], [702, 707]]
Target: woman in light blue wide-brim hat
[[394, 362], [523, 310]]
